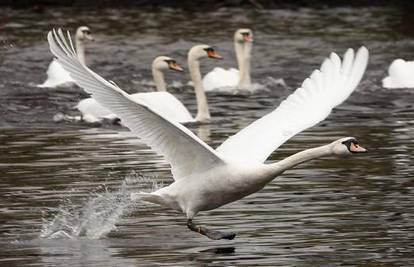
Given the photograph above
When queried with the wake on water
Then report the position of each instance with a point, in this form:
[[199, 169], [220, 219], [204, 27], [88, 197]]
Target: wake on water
[[98, 215]]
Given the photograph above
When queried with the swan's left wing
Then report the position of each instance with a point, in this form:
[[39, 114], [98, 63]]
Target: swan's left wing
[[186, 153], [308, 105]]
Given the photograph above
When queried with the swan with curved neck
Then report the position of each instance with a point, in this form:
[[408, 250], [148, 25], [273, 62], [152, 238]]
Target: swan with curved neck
[[400, 75], [162, 101], [232, 79], [56, 75], [93, 112], [194, 55], [207, 178]]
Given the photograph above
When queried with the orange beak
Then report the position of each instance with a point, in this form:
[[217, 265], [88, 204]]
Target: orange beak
[[248, 38], [214, 54], [175, 66], [354, 148]]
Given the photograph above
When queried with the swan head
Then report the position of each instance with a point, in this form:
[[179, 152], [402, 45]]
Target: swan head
[[243, 36], [347, 146], [202, 51], [83, 33], [164, 63]]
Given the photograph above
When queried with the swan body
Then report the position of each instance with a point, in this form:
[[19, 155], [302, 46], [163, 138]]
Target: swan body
[[205, 178], [162, 102], [56, 75], [223, 79], [400, 75], [232, 79]]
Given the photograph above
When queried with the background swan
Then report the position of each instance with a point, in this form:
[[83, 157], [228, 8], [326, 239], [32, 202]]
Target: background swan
[[232, 79], [56, 75], [204, 178], [400, 75], [162, 101], [93, 112]]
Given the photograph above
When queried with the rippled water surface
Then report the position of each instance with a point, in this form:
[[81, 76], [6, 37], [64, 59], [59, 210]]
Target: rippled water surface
[[64, 187]]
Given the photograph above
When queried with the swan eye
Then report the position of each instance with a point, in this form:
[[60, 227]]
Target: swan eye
[[87, 32], [211, 53], [172, 64], [245, 33], [353, 146]]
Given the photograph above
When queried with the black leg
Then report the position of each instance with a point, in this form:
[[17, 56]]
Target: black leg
[[212, 234]]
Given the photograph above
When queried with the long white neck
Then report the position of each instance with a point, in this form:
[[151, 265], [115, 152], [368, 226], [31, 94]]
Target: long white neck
[[203, 113], [275, 169], [243, 54], [158, 76], [80, 50]]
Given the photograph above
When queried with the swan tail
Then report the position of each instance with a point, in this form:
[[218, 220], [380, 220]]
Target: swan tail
[[147, 197]]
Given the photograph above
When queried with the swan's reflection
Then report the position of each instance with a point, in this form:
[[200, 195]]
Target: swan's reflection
[[80, 252]]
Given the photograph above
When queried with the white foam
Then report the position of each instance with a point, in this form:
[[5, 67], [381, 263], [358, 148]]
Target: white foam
[[98, 215]]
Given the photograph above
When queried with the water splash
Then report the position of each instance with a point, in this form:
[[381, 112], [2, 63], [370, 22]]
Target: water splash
[[98, 215]]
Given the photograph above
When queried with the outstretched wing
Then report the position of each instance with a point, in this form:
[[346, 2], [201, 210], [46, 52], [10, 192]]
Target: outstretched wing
[[311, 103], [186, 153]]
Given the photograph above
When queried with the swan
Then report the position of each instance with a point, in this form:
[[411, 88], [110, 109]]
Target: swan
[[56, 75], [93, 112], [233, 78], [162, 101], [204, 178], [400, 75]]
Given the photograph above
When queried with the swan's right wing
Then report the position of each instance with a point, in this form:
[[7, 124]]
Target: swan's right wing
[[186, 153], [308, 105]]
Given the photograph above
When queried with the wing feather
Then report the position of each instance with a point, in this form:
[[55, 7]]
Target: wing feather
[[311, 103], [186, 153]]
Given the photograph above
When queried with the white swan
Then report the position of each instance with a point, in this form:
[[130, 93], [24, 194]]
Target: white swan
[[400, 75], [204, 178], [93, 112], [56, 75], [232, 79], [162, 102]]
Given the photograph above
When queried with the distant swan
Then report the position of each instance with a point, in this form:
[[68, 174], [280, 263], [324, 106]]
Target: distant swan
[[56, 75], [93, 112], [162, 101], [204, 178], [232, 79], [400, 75]]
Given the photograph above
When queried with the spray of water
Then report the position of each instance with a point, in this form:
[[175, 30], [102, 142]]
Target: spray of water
[[97, 216]]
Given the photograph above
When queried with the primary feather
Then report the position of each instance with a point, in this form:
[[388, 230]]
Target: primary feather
[[186, 153], [308, 105]]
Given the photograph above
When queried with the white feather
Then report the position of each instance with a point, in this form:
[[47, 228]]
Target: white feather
[[307, 106]]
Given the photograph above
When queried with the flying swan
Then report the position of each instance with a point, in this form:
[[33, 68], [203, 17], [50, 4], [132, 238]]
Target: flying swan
[[400, 75], [204, 178], [233, 79], [56, 75]]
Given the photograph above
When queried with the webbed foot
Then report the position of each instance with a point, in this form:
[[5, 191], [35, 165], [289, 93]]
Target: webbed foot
[[212, 234]]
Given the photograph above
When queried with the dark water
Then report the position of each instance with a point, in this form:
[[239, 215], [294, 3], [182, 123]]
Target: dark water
[[64, 187]]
